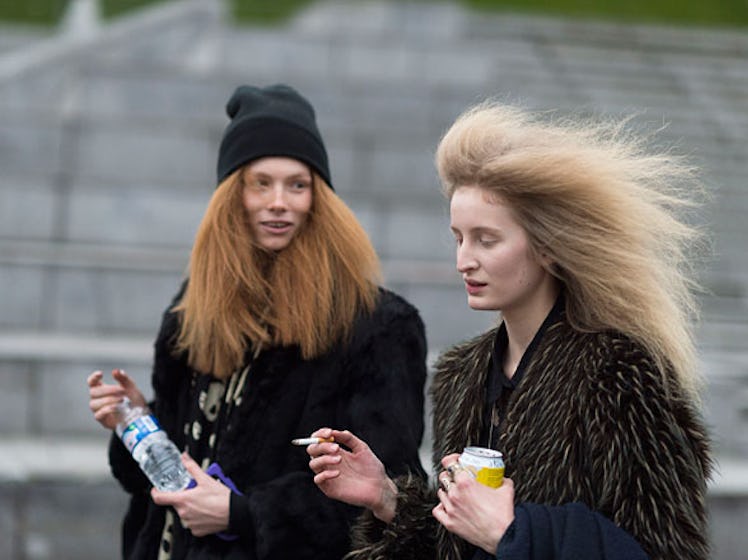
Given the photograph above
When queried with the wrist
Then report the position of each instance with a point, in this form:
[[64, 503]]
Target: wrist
[[385, 509], [491, 544]]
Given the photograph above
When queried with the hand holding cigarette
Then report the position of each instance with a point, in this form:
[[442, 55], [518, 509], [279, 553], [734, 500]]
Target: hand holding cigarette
[[349, 471]]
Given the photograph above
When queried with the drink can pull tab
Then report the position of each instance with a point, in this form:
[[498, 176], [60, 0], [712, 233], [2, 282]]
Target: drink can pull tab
[[214, 470]]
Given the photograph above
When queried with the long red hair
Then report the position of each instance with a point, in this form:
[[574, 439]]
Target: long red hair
[[239, 296]]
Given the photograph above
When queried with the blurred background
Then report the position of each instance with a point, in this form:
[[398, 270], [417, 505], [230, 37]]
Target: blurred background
[[111, 112]]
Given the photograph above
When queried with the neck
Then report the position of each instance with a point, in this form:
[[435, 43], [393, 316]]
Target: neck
[[523, 322]]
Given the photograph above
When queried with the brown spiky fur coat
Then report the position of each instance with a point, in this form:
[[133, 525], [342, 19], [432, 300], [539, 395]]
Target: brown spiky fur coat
[[592, 420]]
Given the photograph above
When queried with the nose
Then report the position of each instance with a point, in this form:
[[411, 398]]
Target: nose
[[278, 199], [465, 260]]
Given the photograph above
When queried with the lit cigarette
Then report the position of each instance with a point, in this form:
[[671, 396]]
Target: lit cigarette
[[311, 440]]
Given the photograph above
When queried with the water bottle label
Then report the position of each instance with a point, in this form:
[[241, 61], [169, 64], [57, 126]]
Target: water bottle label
[[138, 430]]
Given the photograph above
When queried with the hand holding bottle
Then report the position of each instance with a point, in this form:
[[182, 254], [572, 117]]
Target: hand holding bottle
[[122, 408], [203, 509]]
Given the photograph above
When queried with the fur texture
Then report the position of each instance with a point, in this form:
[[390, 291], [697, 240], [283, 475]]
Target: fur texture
[[592, 421]]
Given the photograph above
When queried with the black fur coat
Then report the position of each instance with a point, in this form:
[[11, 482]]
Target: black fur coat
[[592, 421], [372, 385]]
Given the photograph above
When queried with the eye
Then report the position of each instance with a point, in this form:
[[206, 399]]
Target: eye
[[258, 183], [300, 185], [487, 241]]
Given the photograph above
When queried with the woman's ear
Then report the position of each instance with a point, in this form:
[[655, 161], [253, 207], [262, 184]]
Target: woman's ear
[[545, 260]]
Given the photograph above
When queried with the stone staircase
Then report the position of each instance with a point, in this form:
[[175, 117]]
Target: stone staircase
[[107, 155]]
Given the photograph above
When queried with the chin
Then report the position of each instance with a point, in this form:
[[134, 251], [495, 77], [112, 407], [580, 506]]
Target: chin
[[478, 305], [482, 304], [276, 245]]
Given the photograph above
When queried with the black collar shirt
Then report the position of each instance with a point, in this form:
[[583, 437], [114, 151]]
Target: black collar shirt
[[499, 387]]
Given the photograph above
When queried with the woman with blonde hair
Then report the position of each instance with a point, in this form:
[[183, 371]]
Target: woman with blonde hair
[[280, 326], [580, 237]]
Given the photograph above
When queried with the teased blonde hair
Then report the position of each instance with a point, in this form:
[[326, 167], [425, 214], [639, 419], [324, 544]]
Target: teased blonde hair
[[603, 208], [240, 296]]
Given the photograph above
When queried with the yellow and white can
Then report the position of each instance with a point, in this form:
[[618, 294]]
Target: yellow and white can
[[486, 465]]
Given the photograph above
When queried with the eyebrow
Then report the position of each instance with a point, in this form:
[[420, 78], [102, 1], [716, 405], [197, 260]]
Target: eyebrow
[[479, 229], [301, 175]]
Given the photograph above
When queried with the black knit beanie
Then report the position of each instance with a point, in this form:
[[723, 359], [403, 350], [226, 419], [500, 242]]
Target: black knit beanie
[[271, 121]]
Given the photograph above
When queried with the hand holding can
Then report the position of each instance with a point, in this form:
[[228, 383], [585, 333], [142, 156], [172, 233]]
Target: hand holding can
[[486, 465]]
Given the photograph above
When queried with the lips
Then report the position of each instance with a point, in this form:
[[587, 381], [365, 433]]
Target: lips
[[474, 287], [277, 226]]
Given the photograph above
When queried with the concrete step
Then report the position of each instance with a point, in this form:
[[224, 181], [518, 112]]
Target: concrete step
[[47, 458]]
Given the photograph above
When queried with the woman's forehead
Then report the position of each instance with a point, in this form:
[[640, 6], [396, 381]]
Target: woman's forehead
[[475, 208], [277, 165]]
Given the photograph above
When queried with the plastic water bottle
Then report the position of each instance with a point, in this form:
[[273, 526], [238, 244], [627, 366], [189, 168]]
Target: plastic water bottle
[[149, 445]]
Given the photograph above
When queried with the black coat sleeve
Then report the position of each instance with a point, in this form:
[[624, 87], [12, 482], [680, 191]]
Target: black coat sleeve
[[567, 532]]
